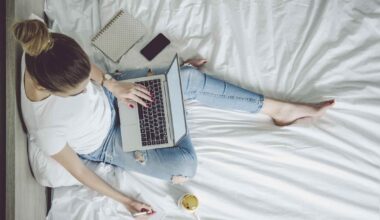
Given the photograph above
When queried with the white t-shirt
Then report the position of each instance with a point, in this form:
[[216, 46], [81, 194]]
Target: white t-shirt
[[82, 121]]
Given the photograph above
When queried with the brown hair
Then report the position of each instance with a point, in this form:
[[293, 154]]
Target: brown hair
[[55, 61]]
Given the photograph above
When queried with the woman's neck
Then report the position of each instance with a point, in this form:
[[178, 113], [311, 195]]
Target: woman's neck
[[31, 90]]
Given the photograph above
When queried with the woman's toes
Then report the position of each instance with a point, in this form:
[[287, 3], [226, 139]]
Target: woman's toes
[[325, 103], [324, 106]]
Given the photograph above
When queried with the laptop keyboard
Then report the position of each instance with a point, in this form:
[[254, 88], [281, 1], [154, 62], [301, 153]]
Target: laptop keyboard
[[152, 120]]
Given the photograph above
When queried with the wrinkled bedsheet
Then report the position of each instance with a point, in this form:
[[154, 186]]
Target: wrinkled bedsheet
[[295, 50]]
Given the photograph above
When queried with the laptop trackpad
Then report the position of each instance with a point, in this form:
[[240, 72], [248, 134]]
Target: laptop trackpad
[[128, 115], [131, 136]]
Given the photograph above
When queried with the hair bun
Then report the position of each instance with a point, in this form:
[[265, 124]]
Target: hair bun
[[33, 36]]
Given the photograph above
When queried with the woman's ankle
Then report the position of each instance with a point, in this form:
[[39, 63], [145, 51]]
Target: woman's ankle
[[195, 62], [272, 107]]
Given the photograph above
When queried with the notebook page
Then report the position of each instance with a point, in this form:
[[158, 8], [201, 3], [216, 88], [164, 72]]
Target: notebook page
[[119, 35]]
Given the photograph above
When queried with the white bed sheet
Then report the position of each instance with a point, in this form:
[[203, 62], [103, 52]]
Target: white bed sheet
[[294, 50]]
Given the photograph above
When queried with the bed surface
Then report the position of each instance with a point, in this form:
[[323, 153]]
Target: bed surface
[[296, 50]]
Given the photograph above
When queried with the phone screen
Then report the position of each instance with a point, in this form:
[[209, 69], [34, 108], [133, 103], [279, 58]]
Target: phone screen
[[155, 46]]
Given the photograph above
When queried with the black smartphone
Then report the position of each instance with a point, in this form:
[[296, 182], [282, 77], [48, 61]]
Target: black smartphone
[[154, 47]]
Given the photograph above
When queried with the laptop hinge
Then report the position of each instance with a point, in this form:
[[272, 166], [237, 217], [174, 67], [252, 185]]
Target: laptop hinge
[[168, 112]]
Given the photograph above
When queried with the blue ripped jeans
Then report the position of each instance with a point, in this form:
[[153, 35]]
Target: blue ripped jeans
[[181, 160]]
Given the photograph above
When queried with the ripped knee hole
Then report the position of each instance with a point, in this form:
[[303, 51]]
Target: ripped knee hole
[[139, 157], [179, 179]]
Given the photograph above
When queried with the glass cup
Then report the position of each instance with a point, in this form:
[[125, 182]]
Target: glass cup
[[188, 202]]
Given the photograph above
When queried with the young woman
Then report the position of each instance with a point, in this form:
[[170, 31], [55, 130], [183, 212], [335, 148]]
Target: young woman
[[70, 110]]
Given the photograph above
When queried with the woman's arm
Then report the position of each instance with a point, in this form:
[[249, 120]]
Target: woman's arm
[[126, 92], [72, 163], [96, 74]]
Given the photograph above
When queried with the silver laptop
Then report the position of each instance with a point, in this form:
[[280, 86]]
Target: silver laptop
[[161, 125]]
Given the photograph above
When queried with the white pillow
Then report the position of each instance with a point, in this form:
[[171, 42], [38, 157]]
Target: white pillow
[[47, 171]]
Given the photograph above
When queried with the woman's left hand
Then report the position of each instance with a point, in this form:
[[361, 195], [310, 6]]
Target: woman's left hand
[[127, 92], [136, 206]]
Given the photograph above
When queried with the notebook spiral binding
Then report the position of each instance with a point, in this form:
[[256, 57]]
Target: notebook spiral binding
[[107, 25]]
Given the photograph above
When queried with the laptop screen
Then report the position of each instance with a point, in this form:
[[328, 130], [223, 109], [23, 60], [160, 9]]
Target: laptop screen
[[176, 101]]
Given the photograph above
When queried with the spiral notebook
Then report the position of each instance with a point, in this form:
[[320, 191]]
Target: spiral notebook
[[119, 35]]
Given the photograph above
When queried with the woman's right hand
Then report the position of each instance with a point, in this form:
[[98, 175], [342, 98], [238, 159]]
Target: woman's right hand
[[136, 206], [128, 92]]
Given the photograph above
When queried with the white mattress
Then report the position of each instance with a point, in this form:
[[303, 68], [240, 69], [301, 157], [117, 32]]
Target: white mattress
[[296, 50]]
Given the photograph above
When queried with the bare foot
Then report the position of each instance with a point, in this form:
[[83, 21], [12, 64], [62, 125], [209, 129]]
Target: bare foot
[[288, 113], [196, 62]]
